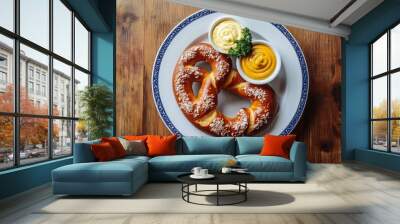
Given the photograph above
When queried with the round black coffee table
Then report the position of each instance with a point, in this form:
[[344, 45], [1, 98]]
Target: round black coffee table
[[238, 179]]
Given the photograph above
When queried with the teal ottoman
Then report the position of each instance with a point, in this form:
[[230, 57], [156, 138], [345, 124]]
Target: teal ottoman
[[118, 177]]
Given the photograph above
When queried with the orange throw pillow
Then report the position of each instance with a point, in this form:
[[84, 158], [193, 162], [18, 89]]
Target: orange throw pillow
[[277, 145], [103, 152], [161, 145], [135, 137], [116, 145]]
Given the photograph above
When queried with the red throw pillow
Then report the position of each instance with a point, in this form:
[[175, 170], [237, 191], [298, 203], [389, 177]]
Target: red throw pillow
[[135, 137], [161, 145], [277, 145], [116, 145], [103, 152]]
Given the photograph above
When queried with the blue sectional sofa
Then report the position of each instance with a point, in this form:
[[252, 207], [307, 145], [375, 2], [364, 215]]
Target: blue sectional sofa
[[125, 176]]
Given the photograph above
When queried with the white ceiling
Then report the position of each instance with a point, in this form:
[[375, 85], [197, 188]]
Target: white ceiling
[[321, 9], [327, 16]]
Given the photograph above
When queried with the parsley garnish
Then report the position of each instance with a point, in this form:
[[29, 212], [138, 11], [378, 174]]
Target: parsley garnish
[[243, 45]]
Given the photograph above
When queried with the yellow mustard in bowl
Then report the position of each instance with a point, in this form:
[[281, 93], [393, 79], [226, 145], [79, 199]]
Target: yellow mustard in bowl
[[225, 33], [260, 63]]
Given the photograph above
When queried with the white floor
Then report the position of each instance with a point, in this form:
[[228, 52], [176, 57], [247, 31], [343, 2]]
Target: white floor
[[376, 189]]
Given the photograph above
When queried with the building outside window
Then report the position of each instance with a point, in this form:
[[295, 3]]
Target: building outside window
[[3, 78], [30, 87], [3, 60], [385, 91], [30, 72], [57, 129], [3, 72], [37, 89], [43, 90], [37, 75]]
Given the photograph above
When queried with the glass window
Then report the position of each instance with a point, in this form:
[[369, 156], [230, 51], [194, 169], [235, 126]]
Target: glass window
[[37, 89], [7, 14], [81, 82], [37, 75], [81, 45], [379, 98], [62, 29], [3, 61], [379, 135], [34, 77], [395, 47], [35, 21], [6, 73], [395, 136], [30, 87], [44, 91], [385, 94], [3, 78], [62, 137], [81, 131], [379, 56], [30, 71], [40, 62], [62, 72], [6, 142], [395, 95], [33, 139]]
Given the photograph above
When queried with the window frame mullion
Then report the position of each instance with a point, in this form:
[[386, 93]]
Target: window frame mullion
[[50, 81], [73, 82], [16, 70], [389, 100], [16, 114]]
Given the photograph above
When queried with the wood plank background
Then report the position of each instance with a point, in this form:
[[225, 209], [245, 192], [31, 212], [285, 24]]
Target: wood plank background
[[142, 25]]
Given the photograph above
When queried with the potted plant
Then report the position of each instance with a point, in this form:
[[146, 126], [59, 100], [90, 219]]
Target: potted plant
[[96, 102]]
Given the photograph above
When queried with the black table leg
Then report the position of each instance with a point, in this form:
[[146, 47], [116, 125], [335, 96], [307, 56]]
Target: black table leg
[[245, 193], [182, 190], [217, 194], [195, 188], [188, 190]]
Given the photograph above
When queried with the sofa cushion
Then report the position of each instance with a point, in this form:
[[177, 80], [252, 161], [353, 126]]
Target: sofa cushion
[[185, 163], [249, 145], [134, 157], [103, 152], [134, 147], [161, 145], [83, 152], [116, 145], [277, 145], [113, 171], [195, 145], [257, 163], [135, 137]]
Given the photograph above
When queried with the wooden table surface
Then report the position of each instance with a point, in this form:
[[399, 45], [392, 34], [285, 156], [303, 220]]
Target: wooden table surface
[[142, 25]]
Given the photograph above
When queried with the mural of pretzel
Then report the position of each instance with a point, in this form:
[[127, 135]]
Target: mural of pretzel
[[201, 110]]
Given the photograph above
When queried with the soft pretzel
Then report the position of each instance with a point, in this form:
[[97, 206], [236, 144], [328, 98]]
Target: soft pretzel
[[201, 110]]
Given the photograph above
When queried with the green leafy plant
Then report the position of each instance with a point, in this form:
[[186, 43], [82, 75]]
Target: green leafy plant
[[96, 102], [243, 45]]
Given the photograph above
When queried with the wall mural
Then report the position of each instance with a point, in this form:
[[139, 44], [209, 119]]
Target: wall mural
[[223, 75]]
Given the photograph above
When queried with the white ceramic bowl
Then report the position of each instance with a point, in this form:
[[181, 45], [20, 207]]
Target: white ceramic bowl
[[270, 77], [210, 39]]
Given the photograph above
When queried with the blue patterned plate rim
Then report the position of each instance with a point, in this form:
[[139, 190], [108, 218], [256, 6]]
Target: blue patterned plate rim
[[160, 54]]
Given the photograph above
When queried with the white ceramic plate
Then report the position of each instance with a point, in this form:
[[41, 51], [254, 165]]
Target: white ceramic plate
[[291, 86], [208, 176]]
